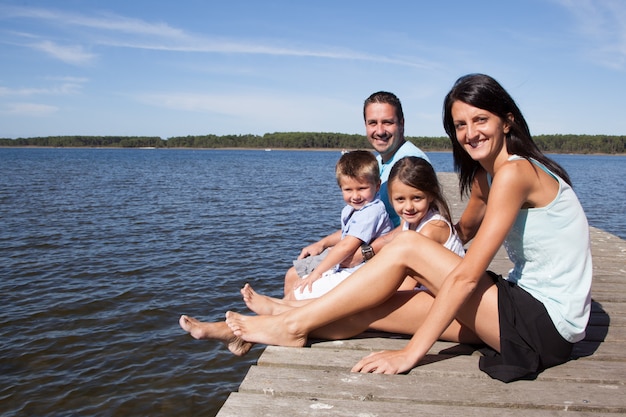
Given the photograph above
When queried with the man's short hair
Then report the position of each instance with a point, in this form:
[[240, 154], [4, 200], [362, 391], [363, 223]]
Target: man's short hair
[[385, 97]]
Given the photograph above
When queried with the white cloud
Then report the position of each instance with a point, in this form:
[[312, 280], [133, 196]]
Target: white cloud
[[28, 109], [68, 86], [70, 54], [231, 104], [260, 112], [109, 22], [113, 30]]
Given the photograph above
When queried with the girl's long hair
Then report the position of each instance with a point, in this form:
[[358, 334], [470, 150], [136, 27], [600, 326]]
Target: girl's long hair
[[483, 92]]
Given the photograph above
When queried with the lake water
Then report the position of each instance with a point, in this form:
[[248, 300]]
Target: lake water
[[103, 249]]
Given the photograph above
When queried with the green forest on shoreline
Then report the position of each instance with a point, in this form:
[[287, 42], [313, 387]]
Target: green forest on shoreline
[[583, 144]]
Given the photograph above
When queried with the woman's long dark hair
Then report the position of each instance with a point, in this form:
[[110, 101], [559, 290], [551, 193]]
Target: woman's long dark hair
[[483, 92]]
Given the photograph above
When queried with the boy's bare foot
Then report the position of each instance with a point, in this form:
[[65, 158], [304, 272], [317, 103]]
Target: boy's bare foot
[[269, 330], [215, 331], [262, 304]]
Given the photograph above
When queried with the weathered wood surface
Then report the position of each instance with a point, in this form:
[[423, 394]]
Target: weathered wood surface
[[316, 380]]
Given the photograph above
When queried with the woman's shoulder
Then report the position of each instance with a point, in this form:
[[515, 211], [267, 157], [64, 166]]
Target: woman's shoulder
[[518, 183], [518, 170]]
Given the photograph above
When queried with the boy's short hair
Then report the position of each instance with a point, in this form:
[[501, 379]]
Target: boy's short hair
[[360, 165]]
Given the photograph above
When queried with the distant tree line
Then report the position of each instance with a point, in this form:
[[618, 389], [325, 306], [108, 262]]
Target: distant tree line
[[307, 140], [87, 141]]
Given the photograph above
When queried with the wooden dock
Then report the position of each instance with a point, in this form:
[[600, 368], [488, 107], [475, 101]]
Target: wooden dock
[[316, 380]]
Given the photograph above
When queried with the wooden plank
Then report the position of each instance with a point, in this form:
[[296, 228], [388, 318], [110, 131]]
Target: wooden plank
[[590, 350], [581, 370], [610, 293], [610, 309], [374, 341], [600, 351], [258, 405], [435, 389]]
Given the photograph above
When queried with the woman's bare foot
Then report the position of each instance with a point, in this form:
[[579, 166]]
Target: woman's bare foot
[[269, 330], [262, 304], [215, 331]]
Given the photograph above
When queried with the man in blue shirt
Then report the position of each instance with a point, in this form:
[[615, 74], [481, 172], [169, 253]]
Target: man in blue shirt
[[384, 127]]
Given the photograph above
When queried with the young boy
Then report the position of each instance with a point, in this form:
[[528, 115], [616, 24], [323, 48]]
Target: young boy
[[363, 219]]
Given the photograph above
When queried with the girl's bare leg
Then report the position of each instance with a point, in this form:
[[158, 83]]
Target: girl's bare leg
[[402, 313], [263, 304], [409, 254], [215, 331]]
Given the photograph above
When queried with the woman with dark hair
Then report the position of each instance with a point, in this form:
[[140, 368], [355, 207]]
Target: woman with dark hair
[[485, 93], [517, 197]]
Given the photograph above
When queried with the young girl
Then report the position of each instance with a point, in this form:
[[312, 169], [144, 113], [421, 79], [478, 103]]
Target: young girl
[[416, 196]]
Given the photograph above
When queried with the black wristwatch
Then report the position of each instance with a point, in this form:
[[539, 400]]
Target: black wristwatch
[[367, 251]]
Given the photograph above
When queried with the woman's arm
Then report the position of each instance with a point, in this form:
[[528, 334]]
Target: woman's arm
[[474, 212], [508, 193]]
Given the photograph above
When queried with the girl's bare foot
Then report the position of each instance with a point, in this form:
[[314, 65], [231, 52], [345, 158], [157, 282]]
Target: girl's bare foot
[[262, 304], [269, 330], [215, 331]]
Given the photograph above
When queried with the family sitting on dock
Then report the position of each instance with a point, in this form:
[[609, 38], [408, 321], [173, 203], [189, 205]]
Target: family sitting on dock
[[517, 197]]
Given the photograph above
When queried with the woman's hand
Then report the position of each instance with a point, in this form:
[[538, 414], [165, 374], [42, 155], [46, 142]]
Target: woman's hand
[[386, 362]]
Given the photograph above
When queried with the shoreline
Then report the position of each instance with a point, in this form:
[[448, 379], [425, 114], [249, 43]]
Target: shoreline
[[270, 149]]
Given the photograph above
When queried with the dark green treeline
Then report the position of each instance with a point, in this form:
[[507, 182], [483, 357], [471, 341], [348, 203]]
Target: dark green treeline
[[308, 140]]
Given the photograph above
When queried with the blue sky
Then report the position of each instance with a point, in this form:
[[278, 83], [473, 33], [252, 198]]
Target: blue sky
[[193, 67]]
